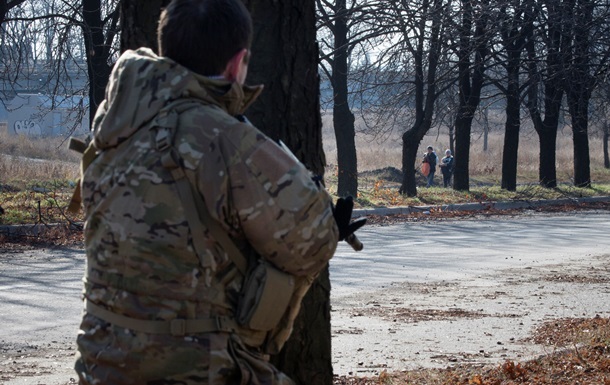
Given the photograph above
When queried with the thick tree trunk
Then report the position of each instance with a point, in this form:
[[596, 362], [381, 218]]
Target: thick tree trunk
[[98, 68], [582, 163], [471, 53], [285, 57], [285, 60], [511, 130], [551, 79], [582, 166], [343, 119], [579, 88], [547, 170], [410, 144], [463, 124], [139, 23]]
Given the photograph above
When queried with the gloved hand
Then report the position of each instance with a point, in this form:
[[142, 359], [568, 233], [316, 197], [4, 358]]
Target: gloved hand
[[343, 216]]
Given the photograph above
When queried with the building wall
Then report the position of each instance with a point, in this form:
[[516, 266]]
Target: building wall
[[40, 115]]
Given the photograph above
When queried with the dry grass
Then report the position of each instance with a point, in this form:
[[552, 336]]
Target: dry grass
[[37, 176], [29, 159]]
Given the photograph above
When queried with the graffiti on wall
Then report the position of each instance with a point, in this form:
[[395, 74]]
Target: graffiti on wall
[[27, 127]]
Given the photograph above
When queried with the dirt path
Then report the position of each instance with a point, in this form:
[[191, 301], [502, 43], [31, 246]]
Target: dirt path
[[484, 320]]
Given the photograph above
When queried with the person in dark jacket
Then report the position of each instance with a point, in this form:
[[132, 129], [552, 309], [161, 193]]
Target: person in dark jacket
[[446, 166], [430, 158]]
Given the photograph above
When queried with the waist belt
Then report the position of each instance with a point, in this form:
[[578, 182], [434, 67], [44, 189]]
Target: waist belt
[[178, 327]]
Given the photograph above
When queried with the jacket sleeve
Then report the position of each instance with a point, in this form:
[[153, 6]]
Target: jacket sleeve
[[283, 213]]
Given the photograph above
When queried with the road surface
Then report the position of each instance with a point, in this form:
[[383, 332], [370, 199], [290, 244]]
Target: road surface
[[420, 294]]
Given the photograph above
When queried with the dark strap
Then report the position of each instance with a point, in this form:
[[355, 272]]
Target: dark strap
[[89, 153], [197, 214], [175, 327]]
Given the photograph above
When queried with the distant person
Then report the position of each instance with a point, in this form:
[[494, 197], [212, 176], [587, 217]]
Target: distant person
[[430, 158], [446, 166]]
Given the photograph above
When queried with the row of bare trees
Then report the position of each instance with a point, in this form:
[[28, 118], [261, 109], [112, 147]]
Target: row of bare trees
[[430, 58], [417, 64]]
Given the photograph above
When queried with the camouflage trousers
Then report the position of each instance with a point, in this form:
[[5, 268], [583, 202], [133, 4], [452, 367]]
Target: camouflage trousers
[[118, 356]]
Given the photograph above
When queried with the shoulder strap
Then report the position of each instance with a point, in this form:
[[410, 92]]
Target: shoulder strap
[[196, 211], [89, 153]]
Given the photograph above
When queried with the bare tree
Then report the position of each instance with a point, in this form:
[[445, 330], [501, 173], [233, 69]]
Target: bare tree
[[42, 54], [402, 85], [587, 62], [545, 82], [99, 29], [335, 17], [514, 25], [348, 26], [426, 49], [472, 53]]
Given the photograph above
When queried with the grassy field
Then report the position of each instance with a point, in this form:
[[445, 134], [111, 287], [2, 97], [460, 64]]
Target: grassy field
[[38, 175]]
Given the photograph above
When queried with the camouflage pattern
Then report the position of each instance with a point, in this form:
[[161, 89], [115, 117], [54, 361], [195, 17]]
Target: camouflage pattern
[[140, 257]]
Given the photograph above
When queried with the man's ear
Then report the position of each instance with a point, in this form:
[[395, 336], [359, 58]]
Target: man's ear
[[234, 66]]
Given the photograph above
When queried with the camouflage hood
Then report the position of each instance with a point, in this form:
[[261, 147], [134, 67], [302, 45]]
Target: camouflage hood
[[141, 83]]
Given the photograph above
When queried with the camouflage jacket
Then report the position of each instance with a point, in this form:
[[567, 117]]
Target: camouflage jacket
[[140, 257]]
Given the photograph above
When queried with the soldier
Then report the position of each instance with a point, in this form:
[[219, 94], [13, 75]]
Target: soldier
[[165, 290]]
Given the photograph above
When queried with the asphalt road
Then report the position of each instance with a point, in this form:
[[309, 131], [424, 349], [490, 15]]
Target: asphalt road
[[40, 304]]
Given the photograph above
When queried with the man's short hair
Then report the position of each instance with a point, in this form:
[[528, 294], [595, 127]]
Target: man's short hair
[[203, 35]]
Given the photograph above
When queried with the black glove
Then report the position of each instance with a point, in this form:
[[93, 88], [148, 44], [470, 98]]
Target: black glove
[[343, 216]]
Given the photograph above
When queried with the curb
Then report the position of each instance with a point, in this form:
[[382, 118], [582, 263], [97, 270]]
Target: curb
[[480, 206], [37, 229], [33, 230]]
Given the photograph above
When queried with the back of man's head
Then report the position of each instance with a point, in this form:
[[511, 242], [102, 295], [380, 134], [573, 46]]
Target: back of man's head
[[203, 35]]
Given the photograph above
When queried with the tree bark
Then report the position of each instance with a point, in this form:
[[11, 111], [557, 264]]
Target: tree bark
[[139, 23], [470, 79], [546, 127], [343, 118], [285, 60], [605, 145], [579, 87], [511, 128], [516, 28], [410, 143], [98, 52], [547, 174]]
